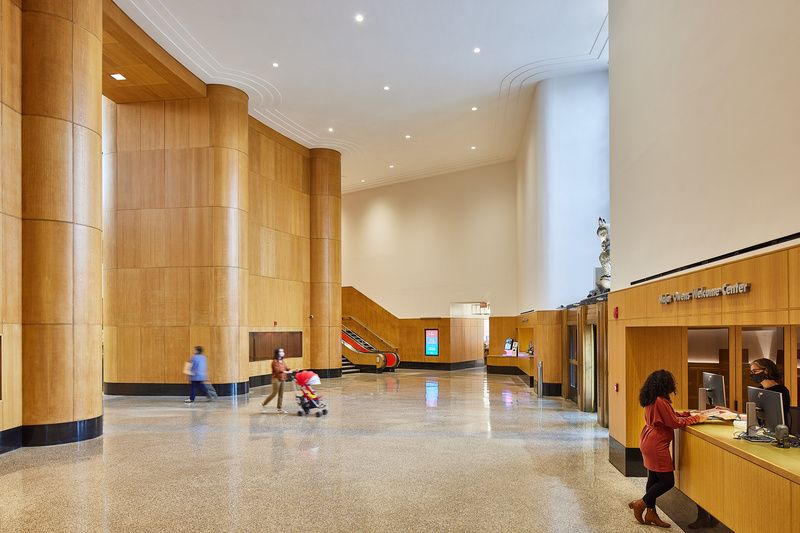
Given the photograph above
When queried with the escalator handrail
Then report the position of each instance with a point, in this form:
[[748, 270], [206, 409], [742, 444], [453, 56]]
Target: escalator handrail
[[392, 348]]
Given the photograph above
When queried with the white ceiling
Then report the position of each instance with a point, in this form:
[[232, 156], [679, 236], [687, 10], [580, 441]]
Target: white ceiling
[[332, 71]]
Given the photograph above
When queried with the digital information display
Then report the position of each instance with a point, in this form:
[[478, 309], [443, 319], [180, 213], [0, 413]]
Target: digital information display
[[432, 342]]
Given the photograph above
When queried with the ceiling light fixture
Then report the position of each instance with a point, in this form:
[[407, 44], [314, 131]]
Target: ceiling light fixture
[[330, 130], [408, 136], [275, 65], [363, 181], [391, 166], [359, 17], [118, 77], [473, 147], [476, 50], [385, 87], [474, 108]]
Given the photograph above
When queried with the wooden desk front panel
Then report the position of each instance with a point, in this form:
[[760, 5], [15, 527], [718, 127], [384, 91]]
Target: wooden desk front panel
[[743, 495]]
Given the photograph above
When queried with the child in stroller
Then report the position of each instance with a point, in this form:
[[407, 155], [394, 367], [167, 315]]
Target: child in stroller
[[307, 398]]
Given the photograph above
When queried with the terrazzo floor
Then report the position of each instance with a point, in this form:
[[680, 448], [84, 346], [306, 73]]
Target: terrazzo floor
[[409, 451]]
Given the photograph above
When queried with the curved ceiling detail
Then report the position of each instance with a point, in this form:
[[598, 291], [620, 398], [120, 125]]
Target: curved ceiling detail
[[332, 71]]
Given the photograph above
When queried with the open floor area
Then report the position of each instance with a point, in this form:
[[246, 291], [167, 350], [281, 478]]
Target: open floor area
[[407, 451]]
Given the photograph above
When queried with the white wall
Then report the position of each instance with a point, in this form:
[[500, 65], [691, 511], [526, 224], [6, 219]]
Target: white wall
[[705, 128], [562, 189], [417, 246]]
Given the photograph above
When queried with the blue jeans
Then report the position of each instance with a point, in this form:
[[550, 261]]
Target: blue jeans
[[198, 385]]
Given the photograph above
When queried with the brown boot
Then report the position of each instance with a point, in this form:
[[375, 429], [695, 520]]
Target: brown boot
[[638, 507], [651, 518]]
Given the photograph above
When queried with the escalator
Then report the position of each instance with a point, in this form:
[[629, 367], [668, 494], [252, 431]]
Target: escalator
[[362, 355]]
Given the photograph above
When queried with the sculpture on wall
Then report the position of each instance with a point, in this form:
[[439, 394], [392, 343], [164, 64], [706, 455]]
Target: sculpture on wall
[[605, 255], [604, 282]]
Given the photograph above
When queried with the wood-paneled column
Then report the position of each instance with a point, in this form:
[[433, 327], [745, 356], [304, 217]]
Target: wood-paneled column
[[61, 221], [228, 197], [326, 262]]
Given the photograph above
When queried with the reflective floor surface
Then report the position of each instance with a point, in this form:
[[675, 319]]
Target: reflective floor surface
[[409, 451]]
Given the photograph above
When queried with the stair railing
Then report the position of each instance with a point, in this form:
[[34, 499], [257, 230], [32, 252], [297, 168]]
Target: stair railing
[[357, 321]]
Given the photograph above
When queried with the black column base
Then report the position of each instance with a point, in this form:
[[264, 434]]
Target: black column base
[[62, 433], [627, 460], [505, 370], [170, 389], [424, 365], [260, 381], [328, 372], [10, 440]]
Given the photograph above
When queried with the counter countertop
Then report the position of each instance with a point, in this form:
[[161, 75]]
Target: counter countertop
[[781, 461]]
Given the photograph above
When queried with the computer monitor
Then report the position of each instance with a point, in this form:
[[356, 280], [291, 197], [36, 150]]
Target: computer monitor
[[769, 407], [509, 341], [715, 389]]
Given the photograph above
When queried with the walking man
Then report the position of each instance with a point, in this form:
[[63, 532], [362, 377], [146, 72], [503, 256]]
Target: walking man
[[198, 375]]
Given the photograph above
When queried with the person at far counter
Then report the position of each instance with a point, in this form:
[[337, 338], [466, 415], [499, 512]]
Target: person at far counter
[[661, 421], [765, 374]]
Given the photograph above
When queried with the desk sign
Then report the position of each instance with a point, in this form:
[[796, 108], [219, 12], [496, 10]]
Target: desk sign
[[432, 342], [728, 289]]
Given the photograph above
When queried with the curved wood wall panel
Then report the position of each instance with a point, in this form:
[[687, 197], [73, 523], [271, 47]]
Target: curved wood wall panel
[[326, 246], [176, 238], [279, 250], [10, 212], [60, 209]]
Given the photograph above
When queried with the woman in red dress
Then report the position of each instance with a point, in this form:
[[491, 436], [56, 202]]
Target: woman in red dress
[[661, 421]]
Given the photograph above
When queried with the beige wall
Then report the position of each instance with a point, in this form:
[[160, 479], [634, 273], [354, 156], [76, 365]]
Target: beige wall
[[704, 128], [562, 189], [414, 247]]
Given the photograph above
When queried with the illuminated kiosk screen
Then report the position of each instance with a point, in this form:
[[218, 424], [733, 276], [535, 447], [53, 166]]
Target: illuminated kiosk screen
[[432, 342]]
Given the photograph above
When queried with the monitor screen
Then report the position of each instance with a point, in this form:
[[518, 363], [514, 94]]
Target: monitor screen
[[432, 342]]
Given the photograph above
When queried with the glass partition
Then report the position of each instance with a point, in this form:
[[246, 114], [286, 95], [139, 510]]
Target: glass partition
[[708, 352], [766, 342]]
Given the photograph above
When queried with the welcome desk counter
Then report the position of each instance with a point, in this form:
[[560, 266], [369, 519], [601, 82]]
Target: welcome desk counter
[[748, 486]]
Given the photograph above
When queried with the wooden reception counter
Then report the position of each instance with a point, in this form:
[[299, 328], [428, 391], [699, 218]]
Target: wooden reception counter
[[748, 486]]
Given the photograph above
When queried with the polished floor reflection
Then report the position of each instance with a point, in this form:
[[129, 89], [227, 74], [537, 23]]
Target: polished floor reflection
[[410, 451]]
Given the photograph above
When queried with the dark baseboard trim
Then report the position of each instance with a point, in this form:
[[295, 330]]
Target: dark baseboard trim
[[62, 433], [170, 389], [507, 370], [260, 381], [548, 389], [328, 372], [10, 440], [627, 460], [368, 369], [419, 365]]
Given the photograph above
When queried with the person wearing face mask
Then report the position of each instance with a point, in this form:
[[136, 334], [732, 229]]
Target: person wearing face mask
[[661, 421], [764, 373], [279, 374]]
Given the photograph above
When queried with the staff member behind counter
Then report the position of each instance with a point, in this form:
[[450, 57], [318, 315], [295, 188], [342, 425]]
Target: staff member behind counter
[[764, 372]]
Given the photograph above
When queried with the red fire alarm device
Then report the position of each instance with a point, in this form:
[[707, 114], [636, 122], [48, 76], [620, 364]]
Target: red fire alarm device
[[616, 313], [616, 387]]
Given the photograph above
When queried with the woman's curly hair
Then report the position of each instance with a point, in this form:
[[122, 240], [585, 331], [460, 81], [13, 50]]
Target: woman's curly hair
[[770, 368], [659, 383]]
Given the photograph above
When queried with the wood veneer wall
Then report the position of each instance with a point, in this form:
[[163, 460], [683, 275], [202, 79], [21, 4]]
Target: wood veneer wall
[[176, 261], [10, 214], [774, 300], [61, 211], [279, 236]]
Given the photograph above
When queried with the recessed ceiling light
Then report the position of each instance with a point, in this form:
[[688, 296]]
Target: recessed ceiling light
[[330, 130], [474, 108], [363, 181], [118, 77], [476, 50], [275, 65], [408, 136], [385, 87], [359, 17], [473, 147], [391, 166]]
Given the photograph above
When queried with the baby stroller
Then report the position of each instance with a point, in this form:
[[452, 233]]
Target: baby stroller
[[307, 398]]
